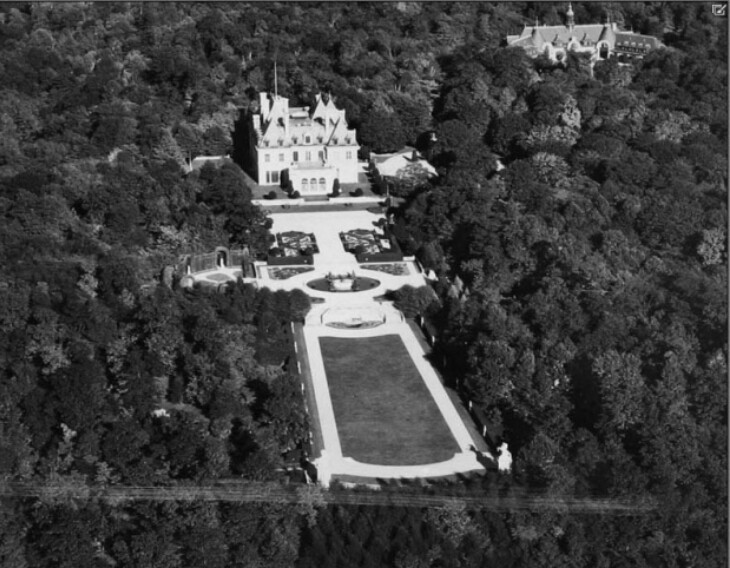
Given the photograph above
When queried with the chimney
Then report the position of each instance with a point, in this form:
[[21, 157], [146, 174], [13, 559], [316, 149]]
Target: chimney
[[285, 115]]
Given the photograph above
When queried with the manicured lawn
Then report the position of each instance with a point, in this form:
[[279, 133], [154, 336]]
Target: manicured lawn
[[384, 412]]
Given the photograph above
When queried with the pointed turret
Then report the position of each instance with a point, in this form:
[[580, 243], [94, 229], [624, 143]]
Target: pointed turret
[[571, 15], [608, 35], [537, 40]]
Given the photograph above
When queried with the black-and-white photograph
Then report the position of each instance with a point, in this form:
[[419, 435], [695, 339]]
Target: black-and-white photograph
[[380, 284]]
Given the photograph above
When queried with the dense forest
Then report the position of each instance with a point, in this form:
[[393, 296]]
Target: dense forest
[[591, 328]]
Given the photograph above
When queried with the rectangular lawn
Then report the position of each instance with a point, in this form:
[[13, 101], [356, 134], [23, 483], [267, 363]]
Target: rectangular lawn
[[384, 412]]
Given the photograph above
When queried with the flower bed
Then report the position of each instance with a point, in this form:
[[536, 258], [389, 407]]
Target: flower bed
[[294, 248], [368, 246], [361, 240], [289, 260], [284, 272], [395, 269], [380, 257], [295, 243]]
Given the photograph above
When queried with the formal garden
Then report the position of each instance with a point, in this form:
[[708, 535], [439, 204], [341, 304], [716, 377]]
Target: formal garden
[[384, 412]]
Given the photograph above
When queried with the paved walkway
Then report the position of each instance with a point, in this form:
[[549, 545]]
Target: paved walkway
[[327, 227]]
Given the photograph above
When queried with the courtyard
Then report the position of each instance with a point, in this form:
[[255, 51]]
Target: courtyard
[[326, 227]]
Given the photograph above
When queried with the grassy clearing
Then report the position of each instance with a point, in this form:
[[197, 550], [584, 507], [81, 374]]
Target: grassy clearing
[[384, 412]]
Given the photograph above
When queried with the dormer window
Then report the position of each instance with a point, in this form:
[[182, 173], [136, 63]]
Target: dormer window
[[348, 140], [266, 142], [334, 140], [307, 140], [295, 139], [280, 142], [319, 139]]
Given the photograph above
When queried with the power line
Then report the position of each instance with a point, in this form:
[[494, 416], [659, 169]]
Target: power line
[[302, 494]]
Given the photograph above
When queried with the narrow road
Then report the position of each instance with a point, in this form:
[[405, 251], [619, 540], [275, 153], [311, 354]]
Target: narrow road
[[277, 493]]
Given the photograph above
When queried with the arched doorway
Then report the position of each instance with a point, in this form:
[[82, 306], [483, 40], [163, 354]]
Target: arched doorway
[[221, 257], [603, 51]]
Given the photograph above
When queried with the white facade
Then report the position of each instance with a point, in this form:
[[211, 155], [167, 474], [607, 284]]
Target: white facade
[[313, 148]]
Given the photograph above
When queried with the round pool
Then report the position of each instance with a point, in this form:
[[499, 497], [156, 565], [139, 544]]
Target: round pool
[[344, 284]]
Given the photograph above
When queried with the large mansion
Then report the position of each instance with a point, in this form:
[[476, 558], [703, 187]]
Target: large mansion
[[601, 41], [312, 148]]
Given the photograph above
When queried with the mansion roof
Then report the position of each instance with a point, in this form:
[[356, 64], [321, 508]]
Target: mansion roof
[[278, 125], [586, 35], [404, 163]]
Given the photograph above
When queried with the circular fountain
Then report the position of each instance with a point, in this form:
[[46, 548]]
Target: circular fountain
[[343, 283], [353, 317]]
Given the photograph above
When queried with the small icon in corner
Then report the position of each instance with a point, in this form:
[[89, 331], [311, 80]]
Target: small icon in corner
[[719, 10]]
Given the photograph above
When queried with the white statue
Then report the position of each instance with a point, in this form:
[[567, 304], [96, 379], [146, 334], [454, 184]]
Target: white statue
[[504, 460]]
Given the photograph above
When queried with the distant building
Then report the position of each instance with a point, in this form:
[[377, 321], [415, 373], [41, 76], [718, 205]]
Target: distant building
[[311, 148], [601, 41]]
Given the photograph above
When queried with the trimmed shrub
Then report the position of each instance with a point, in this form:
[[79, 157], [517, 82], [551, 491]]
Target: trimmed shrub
[[358, 192], [295, 195], [271, 195]]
